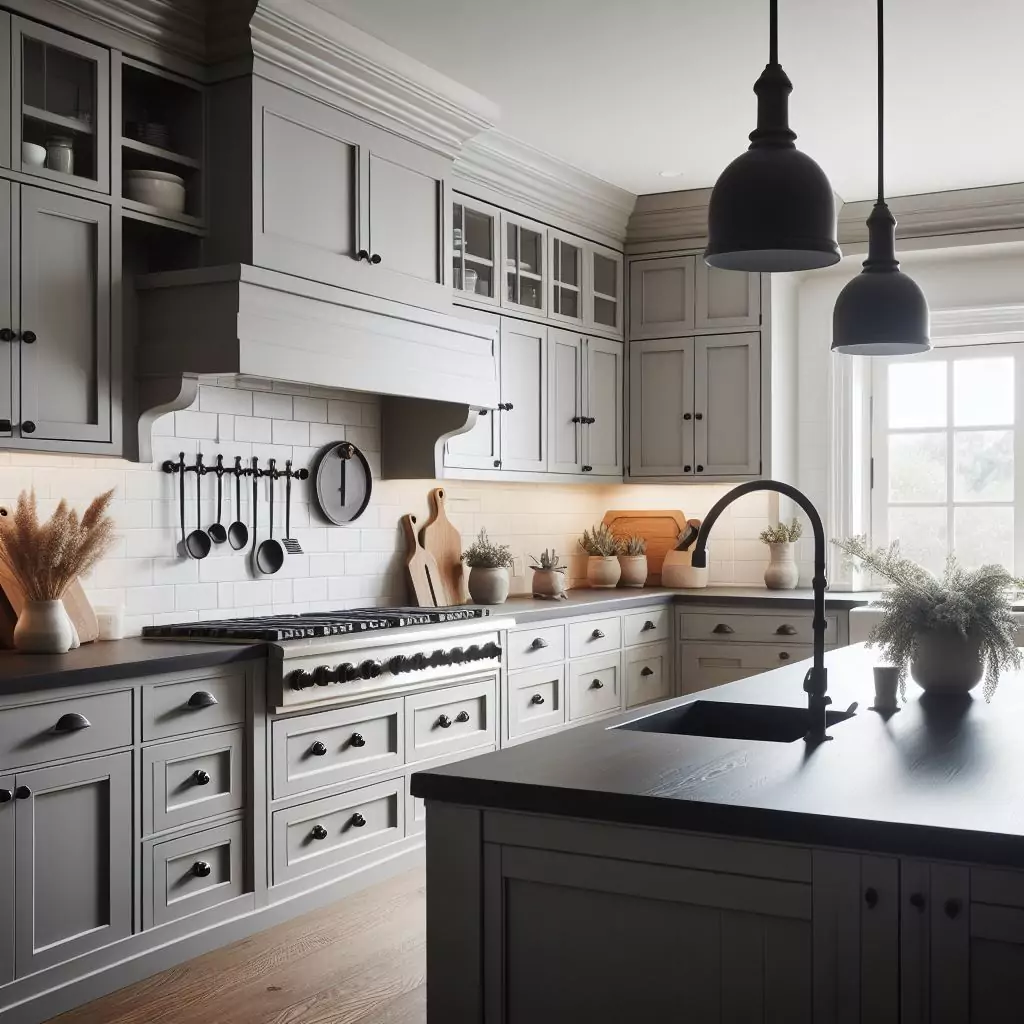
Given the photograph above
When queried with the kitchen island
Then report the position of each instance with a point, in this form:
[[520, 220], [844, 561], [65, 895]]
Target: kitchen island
[[612, 873]]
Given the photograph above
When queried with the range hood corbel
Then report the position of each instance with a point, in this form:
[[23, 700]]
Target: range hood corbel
[[414, 433]]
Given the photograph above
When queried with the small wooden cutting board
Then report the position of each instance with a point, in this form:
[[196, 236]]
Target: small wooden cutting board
[[659, 527], [442, 540], [426, 586]]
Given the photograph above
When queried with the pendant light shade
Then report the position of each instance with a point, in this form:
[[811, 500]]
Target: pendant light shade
[[772, 209], [881, 312]]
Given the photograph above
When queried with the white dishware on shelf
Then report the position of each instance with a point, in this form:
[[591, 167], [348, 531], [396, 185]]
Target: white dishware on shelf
[[60, 154], [33, 155], [469, 280], [160, 189]]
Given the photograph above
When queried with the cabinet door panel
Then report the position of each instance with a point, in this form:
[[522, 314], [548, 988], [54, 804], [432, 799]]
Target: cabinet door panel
[[603, 407], [73, 860], [8, 241], [523, 257], [7, 818], [661, 300], [5, 105], [66, 373], [565, 406], [604, 289], [567, 277], [479, 447], [524, 382], [661, 407], [727, 405], [727, 298]]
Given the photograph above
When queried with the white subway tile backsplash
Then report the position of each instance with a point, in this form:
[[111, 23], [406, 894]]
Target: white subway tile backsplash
[[196, 424], [272, 405], [249, 428], [290, 432], [309, 410], [226, 400], [347, 413], [325, 433]]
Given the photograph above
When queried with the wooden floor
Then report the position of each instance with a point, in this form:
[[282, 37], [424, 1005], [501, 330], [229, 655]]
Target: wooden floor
[[360, 960]]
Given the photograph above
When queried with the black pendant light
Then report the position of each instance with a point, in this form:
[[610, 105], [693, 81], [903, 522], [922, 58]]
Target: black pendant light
[[772, 209], [881, 312]]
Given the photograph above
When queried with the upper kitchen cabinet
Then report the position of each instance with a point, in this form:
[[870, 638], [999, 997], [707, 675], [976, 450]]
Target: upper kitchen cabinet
[[566, 296], [675, 295], [604, 292], [523, 252], [5, 96], [60, 106], [340, 201], [475, 247], [661, 400]]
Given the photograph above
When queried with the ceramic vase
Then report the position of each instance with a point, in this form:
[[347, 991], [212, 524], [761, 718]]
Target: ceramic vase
[[782, 572], [603, 571], [548, 583], [947, 662], [44, 628], [488, 586], [633, 570]]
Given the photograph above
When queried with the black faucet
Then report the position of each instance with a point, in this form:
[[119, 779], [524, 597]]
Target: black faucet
[[816, 680]]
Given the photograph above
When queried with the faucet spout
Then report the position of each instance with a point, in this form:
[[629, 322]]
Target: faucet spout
[[816, 680]]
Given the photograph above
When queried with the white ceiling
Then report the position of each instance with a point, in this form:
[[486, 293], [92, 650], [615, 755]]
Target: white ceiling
[[624, 89]]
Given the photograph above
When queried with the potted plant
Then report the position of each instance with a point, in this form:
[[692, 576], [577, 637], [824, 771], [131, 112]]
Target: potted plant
[[603, 569], [949, 631], [488, 570], [548, 576], [44, 559], [632, 561], [782, 572]]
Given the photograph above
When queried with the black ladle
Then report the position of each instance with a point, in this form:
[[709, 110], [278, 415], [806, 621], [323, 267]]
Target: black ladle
[[198, 542], [238, 532], [217, 532], [181, 492], [270, 554]]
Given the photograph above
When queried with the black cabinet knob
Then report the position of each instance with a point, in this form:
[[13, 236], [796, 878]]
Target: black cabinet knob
[[444, 721], [539, 644], [456, 655], [23, 792], [201, 778], [462, 716], [497, 463], [29, 337], [952, 908], [357, 740], [346, 672], [576, 419], [491, 650], [783, 655], [370, 669], [871, 898], [300, 680], [687, 416], [597, 685], [71, 722], [362, 255], [5, 796], [438, 658], [418, 662], [201, 869], [202, 699], [698, 416], [645, 671], [700, 469], [398, 664], [473, 652], [723, 627], [588, 469], [322, 675], [537, 699], [6, 334], [318, 749], [375, 258], [591, 420], [28, 427], [358, 820], [597, 635], [687, 469], [917, 900], [318, 832]]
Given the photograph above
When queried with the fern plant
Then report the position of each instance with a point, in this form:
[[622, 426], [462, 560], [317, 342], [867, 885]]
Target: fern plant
[[548, 560], [599, 541], [483, 553], [783, 533], [970, 602], [632, 545]]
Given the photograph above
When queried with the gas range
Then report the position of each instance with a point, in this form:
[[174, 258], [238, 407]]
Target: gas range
[[337, 658]]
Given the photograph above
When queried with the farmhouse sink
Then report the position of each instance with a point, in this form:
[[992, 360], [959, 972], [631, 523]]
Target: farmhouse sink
[[726, 720]]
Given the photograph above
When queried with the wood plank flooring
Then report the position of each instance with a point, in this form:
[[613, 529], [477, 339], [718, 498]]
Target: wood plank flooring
[[359, 961]]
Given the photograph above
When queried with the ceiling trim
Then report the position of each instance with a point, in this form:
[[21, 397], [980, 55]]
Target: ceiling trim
[[549, 188], [669, 220]]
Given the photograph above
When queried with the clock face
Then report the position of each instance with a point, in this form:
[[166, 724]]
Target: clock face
[[342, 482]]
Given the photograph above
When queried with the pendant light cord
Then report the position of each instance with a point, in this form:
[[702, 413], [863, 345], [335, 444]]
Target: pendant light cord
[[773, 31], [881, 104]]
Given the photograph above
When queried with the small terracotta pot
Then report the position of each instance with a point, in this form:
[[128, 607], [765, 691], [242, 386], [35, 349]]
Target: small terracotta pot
[[633, 570], [782, 572], [548, 583], [44, 628], [947, 662], [603, 571], [488, 586]]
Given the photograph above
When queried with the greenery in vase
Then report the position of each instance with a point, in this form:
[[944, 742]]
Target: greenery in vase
[[969, 602], [483, 553], [548, 560], [600, 541], [633, 545], [783, 533]]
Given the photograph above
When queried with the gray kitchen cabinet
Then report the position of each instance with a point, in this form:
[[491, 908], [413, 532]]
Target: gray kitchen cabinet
[[475, 251], [8, 325], [565, 401], [341, 201], [479, 447], [566, 297], [524, 259], [661, 397], [603, 288], [73, 859], [7, 873], [726, 298], [5, 106], [64, 358], [524, 396], [727, 405]]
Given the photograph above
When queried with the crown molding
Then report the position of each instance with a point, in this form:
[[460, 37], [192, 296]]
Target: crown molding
[[669, 220], [498, 168], [374, 79]]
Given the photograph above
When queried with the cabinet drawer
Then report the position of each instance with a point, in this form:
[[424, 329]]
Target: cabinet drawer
[[193, 872], [646, 627], [594, 636], [45, 732], [768, 627], [447, 721], [187, 780], [199, 701], [329, 831], [594, 686], [703, 665], [530, 647], [536, 700], [319, 750], [648, 673]]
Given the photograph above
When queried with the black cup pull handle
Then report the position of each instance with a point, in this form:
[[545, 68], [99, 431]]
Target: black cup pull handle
[[646, 671], [597, 635], [202, 699], [201, 869], [723, 627], [539, 644], [537, 699], [71, 722], [786, 630], [783, 655], [648, 626], [871, 898]]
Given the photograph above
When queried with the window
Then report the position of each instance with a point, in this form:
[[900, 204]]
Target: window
[[948, 454]]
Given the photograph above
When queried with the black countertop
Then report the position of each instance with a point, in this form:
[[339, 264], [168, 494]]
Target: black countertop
[[111, 660], [940, 779]]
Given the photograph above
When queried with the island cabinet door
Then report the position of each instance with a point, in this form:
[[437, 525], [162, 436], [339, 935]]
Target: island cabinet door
[[580, 938]]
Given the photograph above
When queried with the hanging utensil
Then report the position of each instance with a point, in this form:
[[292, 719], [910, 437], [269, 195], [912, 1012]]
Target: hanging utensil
[[291, 545], [254, 469], [198, 542], [238, 532], [270, 554], [217, 532], [181, 493]]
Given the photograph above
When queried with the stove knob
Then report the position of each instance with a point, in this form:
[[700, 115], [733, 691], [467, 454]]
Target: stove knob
[[418, 661], [301, 680], [398, 664], [492, 650], [456, 656], [370, 669], [322, 675], [346, 672], [438, 658], [473, 653]]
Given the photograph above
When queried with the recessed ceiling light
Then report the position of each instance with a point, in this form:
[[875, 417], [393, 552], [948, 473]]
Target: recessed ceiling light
[[669, 174]]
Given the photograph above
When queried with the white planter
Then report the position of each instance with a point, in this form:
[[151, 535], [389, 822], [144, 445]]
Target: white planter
[[633, 570], [947, 663], [782, 572], [603, 571], [548, 583], [488, 586], [676, 571], [44, 628]]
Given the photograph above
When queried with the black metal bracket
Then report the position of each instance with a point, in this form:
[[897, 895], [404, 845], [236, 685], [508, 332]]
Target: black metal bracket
[[220, 469]]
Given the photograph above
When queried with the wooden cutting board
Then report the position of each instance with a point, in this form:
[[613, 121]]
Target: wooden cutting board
[[659, 527], [426, 586], [442, 540]]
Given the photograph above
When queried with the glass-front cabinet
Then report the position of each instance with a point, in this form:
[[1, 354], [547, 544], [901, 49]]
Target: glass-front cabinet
[[604, 305], [60, 105], [474, 250], [566, 278], [523, 246]]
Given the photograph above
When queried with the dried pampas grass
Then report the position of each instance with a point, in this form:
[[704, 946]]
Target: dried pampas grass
[[46, 558]]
